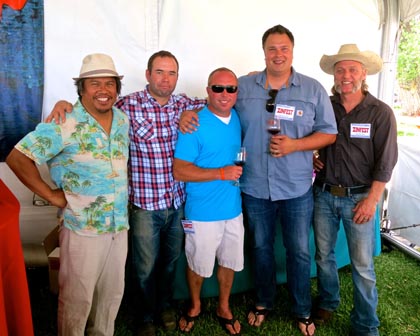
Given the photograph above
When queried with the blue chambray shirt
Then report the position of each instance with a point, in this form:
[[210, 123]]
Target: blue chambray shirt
[[89, 165], [290, 176]]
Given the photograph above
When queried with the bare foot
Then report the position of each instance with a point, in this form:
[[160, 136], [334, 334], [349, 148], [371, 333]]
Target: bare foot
[[257, 315], [228, 322], [187, 320], [306, 326]]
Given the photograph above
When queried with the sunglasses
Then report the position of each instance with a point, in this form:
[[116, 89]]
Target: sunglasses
[[269, 106], [221, 88]]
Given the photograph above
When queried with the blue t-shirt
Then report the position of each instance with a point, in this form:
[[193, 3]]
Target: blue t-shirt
[[213, 145], [306, 108]]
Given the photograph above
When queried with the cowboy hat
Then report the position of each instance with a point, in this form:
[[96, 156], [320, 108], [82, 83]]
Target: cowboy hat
[[350, 52], [98, 65]]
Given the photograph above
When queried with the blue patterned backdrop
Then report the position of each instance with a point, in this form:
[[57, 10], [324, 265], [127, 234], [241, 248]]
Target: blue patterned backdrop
[[21, 72]]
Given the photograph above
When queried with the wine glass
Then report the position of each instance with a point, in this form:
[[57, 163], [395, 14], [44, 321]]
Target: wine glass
[[273, 126], [240, 159]]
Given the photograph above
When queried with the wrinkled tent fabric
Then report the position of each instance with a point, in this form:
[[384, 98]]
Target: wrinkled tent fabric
[[404, 197], [142, 27], [409, 9]]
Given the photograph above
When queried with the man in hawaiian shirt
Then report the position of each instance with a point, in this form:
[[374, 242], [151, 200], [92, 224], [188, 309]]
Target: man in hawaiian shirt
[[87, 156]]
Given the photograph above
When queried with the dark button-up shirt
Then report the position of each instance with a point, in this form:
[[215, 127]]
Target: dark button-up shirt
[[366, 147]]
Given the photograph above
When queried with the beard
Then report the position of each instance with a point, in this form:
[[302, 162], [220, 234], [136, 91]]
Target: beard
[[357, 85]]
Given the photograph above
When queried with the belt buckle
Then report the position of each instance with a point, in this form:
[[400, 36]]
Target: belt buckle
[[338, 191]]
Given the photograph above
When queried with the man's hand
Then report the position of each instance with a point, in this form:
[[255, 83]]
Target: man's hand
[[58, 114], [366, 208], [57, 198], [317, 163], [232, 172], [281, 145], [189, 122], [364, 211]]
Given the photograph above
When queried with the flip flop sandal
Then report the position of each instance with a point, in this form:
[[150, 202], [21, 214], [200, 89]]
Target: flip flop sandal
[[258, 312], [307, 321], [189, 319], [224, 322]]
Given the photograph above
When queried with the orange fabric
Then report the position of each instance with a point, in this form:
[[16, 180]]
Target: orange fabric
[[15, 307], [15, 4]]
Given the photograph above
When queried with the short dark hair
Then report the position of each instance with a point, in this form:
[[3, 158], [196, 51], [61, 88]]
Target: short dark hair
[[80, 85], [161, 53], [279, 29]]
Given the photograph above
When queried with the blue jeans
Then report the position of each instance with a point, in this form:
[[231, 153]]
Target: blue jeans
[[295, 218], [157, 240], [328, 212]]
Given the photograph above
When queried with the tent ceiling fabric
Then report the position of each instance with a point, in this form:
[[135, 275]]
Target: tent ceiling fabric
[[409, 9]]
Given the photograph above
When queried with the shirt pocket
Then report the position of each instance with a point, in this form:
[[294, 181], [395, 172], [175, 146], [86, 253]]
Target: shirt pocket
[[143, 129]]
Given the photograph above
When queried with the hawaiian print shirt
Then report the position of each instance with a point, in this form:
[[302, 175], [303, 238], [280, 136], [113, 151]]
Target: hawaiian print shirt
[[89, 165]]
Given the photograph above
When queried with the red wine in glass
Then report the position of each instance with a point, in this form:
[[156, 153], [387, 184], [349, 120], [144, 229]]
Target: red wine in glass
[[240, 159], [273, 126], [273, 131]]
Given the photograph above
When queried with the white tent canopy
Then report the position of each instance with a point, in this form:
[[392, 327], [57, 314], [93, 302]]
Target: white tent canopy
[[207, 34], [202, 34]]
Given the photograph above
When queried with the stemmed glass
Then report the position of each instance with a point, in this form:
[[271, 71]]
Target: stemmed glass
[[273, 127], [240, 159]]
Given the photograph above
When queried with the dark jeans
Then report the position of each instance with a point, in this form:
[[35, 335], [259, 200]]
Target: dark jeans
[[157, 238], [295, 219]]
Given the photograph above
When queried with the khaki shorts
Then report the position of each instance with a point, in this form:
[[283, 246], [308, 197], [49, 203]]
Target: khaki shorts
[[207, 241]]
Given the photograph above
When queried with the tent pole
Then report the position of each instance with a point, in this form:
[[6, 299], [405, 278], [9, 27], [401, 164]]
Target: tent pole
[[389, 48]]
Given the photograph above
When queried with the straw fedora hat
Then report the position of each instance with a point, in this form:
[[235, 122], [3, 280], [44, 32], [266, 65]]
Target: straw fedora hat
[[98, 65], [350, 52]]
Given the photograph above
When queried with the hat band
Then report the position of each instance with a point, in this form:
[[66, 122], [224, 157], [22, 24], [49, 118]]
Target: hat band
[[97, 72]]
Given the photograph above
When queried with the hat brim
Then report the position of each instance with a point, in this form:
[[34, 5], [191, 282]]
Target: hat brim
[[371, 61], [77, 78], [98, 73]]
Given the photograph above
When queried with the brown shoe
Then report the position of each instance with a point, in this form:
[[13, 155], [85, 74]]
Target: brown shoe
[[168, 318], [321, 316], [146, 329]]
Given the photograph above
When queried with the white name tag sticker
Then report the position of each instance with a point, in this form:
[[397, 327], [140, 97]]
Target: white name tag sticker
[[360, 131], [188, 226], [285, 112]]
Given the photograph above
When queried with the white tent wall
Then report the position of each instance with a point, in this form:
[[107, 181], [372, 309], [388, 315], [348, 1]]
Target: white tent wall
[[404, 197], [202, 34]]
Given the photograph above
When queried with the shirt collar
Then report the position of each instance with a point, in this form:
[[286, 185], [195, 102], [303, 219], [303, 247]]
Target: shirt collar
[[262, 79]]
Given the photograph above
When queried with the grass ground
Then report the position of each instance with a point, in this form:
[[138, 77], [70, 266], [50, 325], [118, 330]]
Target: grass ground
[[398, 280]]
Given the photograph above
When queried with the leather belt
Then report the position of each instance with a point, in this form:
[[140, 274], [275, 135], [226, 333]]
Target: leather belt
[[341, 191]]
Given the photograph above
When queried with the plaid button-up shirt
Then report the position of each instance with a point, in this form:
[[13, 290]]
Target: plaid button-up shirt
[[153, 135]]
